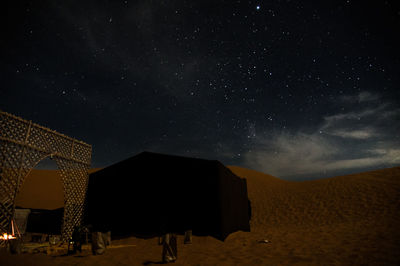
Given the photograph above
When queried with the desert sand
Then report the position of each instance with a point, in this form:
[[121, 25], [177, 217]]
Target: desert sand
[[42, 189], [345, 220]]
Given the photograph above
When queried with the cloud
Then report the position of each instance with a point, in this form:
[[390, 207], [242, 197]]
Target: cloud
[[387, 156], [298, 155], [333, 120], [364, 133], [359, 124], [362, 97], [284, 154], [356, 140], [366, 96]]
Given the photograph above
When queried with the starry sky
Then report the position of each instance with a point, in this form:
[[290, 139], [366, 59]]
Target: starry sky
[[295, 89]]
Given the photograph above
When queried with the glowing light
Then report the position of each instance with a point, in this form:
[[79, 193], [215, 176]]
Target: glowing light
[[258, 7], [6, 236]]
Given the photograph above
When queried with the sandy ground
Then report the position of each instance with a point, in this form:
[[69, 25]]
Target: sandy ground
[[347, 220]]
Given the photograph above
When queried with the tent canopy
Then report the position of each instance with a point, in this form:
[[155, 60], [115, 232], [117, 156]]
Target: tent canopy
[[150, 194]]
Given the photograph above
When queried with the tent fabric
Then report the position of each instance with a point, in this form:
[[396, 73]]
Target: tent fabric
[[150, 194], [21, 219]]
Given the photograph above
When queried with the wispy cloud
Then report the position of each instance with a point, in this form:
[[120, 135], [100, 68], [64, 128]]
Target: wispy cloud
[[364, 133], [364, 96], [342, 119], [359, 139], [284, 154]]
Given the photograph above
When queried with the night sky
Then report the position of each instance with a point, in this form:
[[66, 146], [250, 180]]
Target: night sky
[[295, 89]]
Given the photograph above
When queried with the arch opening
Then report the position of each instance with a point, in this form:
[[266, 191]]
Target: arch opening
[[22, 146], [39, 204]]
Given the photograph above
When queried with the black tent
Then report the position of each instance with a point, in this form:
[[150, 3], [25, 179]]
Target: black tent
[[150, 194]]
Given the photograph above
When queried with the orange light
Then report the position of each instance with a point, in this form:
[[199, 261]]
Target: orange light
[[6, 236]]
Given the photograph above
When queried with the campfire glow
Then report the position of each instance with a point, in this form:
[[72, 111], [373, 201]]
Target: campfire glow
[[6, 236]]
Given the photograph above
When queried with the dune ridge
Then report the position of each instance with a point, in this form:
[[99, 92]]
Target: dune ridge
[[348, 198]]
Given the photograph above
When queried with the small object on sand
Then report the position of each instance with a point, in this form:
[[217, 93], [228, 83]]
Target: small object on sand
[[15, 246], [264, 241], [188, 237], [99, 242], [54, 239], [170, 251]]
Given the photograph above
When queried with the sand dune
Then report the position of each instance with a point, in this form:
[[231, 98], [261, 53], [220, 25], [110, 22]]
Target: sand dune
[[346, 220], [346, 199], [42, 189], [349, 219]]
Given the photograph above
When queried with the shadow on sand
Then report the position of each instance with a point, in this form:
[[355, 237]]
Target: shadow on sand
[[148, 262]]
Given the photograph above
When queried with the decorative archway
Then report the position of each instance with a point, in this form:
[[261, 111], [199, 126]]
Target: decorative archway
[[24, 144]]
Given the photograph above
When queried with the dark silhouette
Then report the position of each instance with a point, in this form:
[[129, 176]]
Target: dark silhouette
[[79, 236], [45, 221], [137, 195]]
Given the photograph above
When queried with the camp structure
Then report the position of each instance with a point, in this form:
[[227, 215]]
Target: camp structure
[[150, 194]]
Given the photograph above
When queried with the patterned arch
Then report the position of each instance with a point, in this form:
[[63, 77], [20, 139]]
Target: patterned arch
[[24, 144]]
